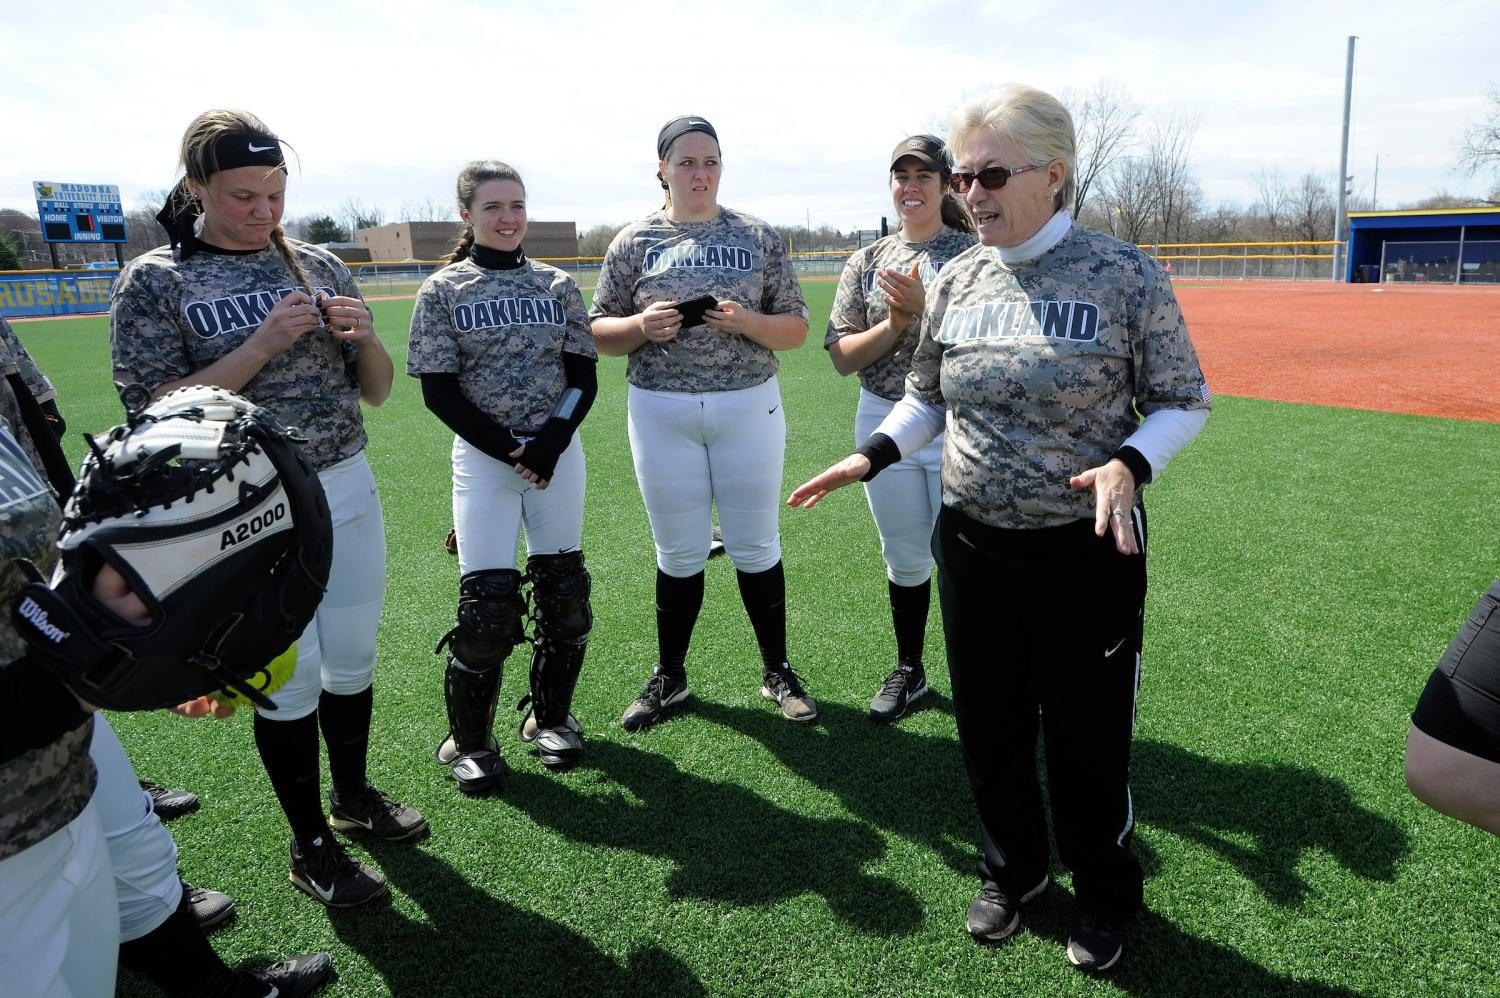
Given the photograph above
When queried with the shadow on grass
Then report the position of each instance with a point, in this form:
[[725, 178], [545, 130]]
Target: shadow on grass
[[726, 843], [1283, 810], [909, 784], [477, 944]]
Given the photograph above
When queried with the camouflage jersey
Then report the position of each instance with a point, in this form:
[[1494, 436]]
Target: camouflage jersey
[[1043, 367], [20, 362], [170, 319], [15, 360], [733, 257], [43, 789], [503, 332], [861, 305]]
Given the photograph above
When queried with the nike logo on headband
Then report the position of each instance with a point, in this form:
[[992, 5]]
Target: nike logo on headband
[[255, 148]]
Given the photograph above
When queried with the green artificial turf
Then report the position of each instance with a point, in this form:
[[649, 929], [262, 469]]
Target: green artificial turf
[[1308, 565]]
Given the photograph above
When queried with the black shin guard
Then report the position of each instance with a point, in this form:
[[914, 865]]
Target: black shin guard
[[678, 602], [177, 958], [289, 751], [764, 596], [345, 720], [491, 609], [909, 616], [560, 587]]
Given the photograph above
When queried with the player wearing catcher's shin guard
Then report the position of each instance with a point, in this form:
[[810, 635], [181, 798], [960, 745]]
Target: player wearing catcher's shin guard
[[491, 610], [562, 618]]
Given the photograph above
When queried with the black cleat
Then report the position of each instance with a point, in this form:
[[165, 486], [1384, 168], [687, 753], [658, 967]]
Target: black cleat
[[374, 813], [292, 978], [995, 915], [662, 691], [476, 773], [169, 804], [211, 909], [327, 872], [1096, 942], [901, 688]]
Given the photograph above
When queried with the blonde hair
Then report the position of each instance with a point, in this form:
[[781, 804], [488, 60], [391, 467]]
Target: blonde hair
[[1033, 119], [470, 179], [199, 162]]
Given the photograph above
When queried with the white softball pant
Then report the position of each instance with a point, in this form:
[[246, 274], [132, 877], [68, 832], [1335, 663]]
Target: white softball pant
[[59, 925], [337, 650], [141, 849], [905, 498], [697, 450], [492, 504]]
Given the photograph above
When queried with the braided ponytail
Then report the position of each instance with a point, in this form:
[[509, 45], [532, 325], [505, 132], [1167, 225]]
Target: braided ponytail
[[463, 247], [278, 239]]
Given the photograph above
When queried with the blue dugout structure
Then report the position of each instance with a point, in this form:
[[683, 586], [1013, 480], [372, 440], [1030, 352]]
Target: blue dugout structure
[[1441, 246], [24, 294]]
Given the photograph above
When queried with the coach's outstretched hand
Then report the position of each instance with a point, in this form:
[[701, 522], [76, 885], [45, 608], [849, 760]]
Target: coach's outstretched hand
[[1114, 498], [848, 471]]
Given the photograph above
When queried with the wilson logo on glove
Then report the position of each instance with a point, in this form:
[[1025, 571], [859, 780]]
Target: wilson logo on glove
[[29, 611]]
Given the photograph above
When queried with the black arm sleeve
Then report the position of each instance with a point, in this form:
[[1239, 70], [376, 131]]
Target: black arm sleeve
[[552, 439], [441, 395], [882, 452], [34, 708]]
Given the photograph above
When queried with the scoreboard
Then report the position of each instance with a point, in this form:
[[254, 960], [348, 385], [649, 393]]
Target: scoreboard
[[80, 213]]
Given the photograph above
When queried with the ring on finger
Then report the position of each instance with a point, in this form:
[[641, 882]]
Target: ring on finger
[[1117, 511]]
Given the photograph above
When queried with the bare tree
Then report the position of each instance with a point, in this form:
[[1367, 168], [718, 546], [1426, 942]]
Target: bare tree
[[1481, 146], [356, 215], [1104, 121], [1129, 198], [596, 239], [1177, 195], [429, 209], [1274, 201], [1312, 209]]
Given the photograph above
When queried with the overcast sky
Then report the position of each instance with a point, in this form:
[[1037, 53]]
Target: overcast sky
[[386, 100]]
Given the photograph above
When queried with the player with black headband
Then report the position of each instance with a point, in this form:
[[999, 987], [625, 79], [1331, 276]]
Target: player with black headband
[[699, 297], [873, 331], [503, 348], [1060, 364], [233, 302]]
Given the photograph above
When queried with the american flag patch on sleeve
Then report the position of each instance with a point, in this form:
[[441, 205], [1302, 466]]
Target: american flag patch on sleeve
[[1204, 394]]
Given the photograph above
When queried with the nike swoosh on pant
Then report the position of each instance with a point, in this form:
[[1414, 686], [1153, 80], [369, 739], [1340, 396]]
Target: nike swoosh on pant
[[1111, 652]]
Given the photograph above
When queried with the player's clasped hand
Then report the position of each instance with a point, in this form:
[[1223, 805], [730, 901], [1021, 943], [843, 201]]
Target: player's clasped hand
[[848, 471], [729, 317], [1114, 496], [904, 293], [661, 321], [531, 476]]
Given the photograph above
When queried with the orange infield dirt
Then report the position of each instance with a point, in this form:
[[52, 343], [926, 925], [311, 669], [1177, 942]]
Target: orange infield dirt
[[1431, 351]]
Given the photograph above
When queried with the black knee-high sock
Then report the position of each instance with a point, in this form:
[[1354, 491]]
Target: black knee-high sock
[[909, 614], [678, 602], [764, 596], [177, 958], [289, 751], [345, 719]]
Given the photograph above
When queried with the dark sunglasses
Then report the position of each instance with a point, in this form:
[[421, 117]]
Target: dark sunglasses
[[991, 178]]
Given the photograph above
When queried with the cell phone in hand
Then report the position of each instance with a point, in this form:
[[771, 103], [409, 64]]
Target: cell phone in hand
[[692, 310]]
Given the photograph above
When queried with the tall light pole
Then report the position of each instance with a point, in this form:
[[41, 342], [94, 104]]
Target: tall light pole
[[1338, 219]]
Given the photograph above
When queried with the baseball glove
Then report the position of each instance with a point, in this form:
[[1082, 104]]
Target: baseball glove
[[208, 508]]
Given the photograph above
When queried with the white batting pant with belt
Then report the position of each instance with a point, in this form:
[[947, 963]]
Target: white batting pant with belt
[[337, 650], [697, 450], [59, 924], [904, 498], [492, 503]]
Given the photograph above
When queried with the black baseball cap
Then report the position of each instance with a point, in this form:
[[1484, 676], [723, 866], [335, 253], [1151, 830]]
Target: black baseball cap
[[927, 149]]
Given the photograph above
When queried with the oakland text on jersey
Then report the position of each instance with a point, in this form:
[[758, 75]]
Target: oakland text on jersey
[[215, 316], [1048, 319], [694, 255], [495, 312]]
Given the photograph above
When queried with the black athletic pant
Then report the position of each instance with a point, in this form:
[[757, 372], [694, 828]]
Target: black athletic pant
[[1044, 627]]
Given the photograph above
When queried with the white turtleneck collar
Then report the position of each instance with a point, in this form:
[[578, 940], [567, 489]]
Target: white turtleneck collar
[[1041, 241]]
